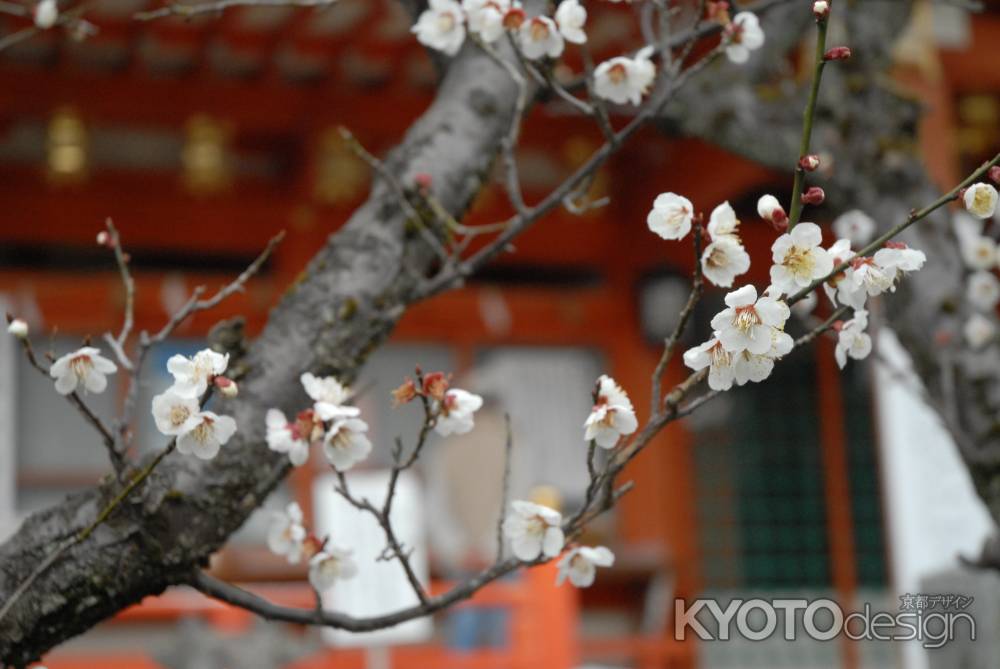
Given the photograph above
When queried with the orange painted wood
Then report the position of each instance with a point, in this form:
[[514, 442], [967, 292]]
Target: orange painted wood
[[837, 486]]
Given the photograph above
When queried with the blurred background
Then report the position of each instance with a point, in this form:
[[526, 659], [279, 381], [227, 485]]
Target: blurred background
[[202, 138]]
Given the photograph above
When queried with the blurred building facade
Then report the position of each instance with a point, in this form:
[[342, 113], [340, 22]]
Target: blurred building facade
[[201, 138]]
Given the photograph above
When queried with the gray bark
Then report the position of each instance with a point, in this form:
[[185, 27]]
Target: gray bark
[[342, 307]]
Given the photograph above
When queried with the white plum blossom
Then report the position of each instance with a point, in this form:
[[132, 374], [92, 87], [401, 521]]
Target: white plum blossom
[[84, 367], [329, 396], [456, 409], [580, 565], [612, 415], [719, 361], [533, 530], [622, 79], [571, 16], [671, 216], [901, 258], [286, 534], [330, 565], [346, 443], [852, 340], [441, 26], [540, 37], [192, 375], [983, 290], [746, 324], [175, 414], [874, 275], [485, 18], [46, 14], [799, 258], [18, 328], [856, 226], [980, 200], [209, 434], [745, 35], [979, 253], [723, 222], [284, 437], [723, 260], [979, 331], [752, 367]]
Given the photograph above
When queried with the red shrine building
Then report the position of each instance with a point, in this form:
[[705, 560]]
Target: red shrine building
[[202, 138]]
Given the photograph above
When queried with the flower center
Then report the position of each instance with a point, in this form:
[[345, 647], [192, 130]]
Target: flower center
[[981, 200], [720, 356], [799, 261], [539, 31], [617, 74], [81, 366], [745, 318], [204, 430], [445, 22], [178, 414]]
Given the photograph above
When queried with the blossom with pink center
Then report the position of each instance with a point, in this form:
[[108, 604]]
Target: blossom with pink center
[[612, 415], [84, 367]]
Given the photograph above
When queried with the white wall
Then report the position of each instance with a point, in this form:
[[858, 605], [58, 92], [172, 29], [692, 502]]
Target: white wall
[[932, 511]]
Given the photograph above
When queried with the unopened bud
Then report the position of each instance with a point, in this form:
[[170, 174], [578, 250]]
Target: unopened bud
[[103, 238], [896, 245], [770, 210], [513, 19], [837, 53], [995, 174], [717, 11], [813, 195], [809, 163], [821, 9], [838, 325], [227, 387], [423, 181], [17, 327]]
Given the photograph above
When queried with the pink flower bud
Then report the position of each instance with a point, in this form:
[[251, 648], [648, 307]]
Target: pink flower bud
[[995, 174], [896, 245], [227, 387], [838, 325], [821, 9], [813, 195], [809, 163], [838, 53], [423, 181], [780, 222]]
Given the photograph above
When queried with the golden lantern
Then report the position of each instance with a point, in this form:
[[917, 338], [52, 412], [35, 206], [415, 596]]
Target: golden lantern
[[67, 146], [205, 157]]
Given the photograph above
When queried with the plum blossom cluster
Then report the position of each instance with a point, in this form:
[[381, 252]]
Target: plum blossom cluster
[[178, 411], [330, 421], [982, 259], [328, 563], [748, 337], [445, 24], [450, 409]]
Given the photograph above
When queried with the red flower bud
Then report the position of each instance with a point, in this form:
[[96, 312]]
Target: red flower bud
[[821, 9], [423, 181], [838, 325], [779, 221], [513, 19], [838, 53], [809, 163], [227, 387], [717, 11], [995, 174], [813, 195], [896, 245]]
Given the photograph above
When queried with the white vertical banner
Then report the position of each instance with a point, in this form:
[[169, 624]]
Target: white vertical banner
[[8, 430], [380, 586], [933, 513]]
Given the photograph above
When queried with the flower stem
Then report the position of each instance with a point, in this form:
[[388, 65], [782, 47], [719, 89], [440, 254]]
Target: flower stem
[[795, 211]]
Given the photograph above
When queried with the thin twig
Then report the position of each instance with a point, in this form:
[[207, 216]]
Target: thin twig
[[795, 212], [504, 486]]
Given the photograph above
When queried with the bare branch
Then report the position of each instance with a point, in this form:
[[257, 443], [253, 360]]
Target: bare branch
[[185, 10]]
